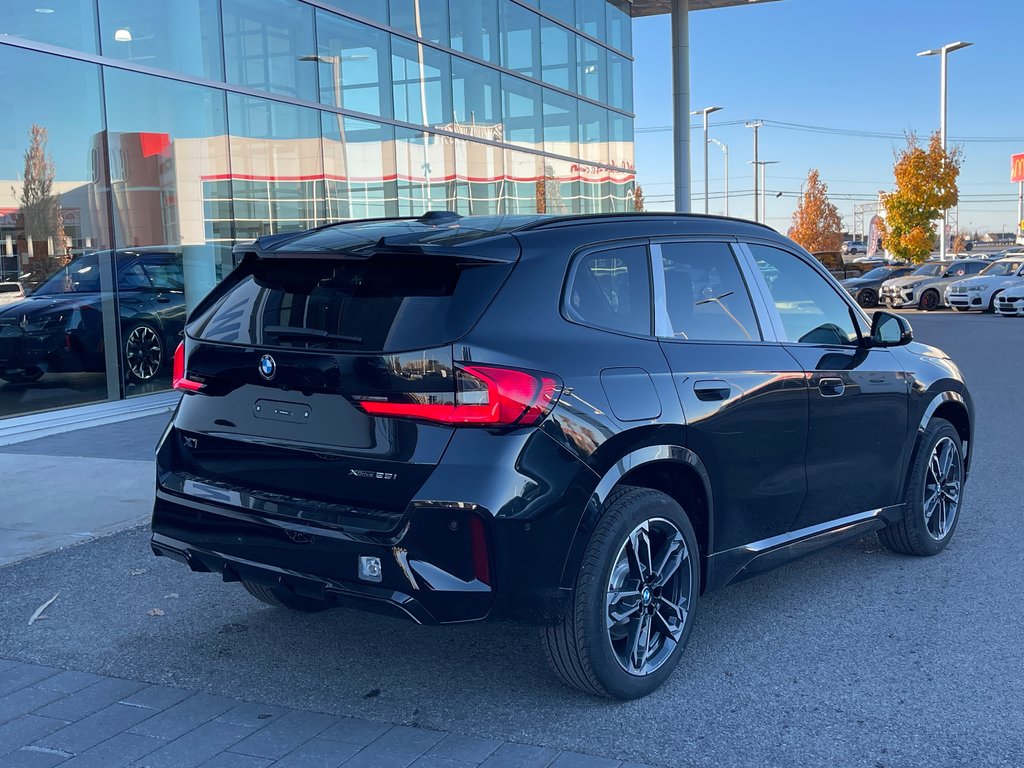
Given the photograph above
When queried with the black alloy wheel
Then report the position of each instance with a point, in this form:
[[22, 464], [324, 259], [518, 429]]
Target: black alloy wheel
[[143, 352], [868, 298], [929, 300]]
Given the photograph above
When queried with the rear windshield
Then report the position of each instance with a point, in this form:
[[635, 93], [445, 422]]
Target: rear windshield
[[388, 303]]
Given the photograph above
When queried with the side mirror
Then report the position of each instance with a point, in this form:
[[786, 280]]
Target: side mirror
[[889, 330]]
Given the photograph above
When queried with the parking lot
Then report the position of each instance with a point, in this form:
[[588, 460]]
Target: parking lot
[[853, 657]]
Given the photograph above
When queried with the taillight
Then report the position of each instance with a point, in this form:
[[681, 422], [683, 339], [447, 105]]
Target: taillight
[[179, 379], [485, 395]]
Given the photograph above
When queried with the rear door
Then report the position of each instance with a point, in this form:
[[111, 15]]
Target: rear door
[[858, 395], [291, 357], [744, 398]]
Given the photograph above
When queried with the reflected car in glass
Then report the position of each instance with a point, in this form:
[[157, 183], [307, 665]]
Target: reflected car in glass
[[585, 422], [59, 327], [11, 292]]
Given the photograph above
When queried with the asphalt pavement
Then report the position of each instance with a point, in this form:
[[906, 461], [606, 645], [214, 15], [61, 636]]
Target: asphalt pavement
[[851, 657]]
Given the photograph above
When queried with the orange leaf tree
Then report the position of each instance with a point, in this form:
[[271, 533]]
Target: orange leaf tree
[[817, 225], [925, 186]]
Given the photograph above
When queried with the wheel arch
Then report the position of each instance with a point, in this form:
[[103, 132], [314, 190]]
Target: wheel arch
[[953, 407], [672, 469]]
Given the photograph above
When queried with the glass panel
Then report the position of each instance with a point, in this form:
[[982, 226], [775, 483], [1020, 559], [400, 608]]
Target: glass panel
[[520, 192], [620, 26], [170, 204], [480, 172], [53, 220], [560, 191], [591, 66], [560, 9], [476, 92], [359, 165], [182, 36], [612, 289], [523, 112], [706, 298], [426, 172], [421, 85], [593, 133], [424, 18], [558, 55], [474, 27], [620, 141], [591, 17], [811, 311], [377, 10], [620, 82], [276, 166], [354, 61], [561, 124], [69, 24], [268, 44], [520, 49]]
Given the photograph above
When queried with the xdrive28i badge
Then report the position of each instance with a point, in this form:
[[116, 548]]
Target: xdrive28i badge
[[267, 367]]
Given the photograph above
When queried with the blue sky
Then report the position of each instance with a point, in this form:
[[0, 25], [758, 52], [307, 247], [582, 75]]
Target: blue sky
[[847, 64]]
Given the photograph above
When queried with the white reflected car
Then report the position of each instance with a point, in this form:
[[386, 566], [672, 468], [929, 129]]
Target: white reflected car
[[1010, 301], [11, 292], [980, 292]]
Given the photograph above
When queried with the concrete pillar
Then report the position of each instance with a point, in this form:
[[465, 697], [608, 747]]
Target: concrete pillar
[[681, 101]]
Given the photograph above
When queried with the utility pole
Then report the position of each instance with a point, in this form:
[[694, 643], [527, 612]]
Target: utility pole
[[755, 125]]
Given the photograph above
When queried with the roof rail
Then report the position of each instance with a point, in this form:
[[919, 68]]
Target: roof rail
[[583, 218]]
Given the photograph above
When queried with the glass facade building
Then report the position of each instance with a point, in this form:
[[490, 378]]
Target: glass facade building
[[143, 138]]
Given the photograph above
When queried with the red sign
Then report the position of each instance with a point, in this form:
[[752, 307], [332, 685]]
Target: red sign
[[1017, 167]]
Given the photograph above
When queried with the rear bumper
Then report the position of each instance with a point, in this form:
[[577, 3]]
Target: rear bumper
[[427, 570]]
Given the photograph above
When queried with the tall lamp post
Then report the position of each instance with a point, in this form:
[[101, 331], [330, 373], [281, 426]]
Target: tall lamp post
[[706, 111], [944, 52], [725, 151]]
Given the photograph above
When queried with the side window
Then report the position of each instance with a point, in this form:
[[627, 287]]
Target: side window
[[133, 278], [811, 310], [975, 267], [612, 289], [166, 275], [705, 296]]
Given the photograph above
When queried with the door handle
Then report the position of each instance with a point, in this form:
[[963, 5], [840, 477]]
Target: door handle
[[831, 387], [710, 390]]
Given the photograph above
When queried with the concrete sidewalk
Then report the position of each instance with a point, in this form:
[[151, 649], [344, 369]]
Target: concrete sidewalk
[[60, 490]]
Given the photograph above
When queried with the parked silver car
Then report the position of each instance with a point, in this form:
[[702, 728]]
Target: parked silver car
[[11, 292], [923, 288]]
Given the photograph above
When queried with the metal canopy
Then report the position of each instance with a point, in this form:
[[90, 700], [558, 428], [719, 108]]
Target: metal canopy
[[656, 7]]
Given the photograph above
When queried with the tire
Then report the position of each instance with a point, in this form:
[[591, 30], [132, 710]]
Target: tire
[[27, 376], [281, 599], [594, 655], [929, 301], [143, 352], [992, 303], [920, 533], [868, 298]]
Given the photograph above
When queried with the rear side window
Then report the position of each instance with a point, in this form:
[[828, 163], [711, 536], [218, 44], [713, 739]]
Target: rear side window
[[387, 303], [611, 289], [706, 298]]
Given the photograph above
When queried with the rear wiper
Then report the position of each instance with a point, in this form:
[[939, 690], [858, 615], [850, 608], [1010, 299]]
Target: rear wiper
[[286, 332]]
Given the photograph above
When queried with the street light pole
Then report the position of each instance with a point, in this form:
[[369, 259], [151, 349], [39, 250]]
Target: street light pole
[[755, 125], [706, 111], [943, 52], [759, 166], [725, 151]]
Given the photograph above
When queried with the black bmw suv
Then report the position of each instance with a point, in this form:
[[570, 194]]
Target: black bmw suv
[[585, 422]]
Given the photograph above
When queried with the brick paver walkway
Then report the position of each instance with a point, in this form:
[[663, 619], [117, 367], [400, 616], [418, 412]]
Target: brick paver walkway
[[51, 717]]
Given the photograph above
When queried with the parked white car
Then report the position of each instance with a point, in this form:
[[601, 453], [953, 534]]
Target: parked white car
[[11, 292], [980, 292], [1010, 301]]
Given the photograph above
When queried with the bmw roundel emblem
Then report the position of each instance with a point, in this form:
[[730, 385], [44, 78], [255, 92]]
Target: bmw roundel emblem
[[267, 367]]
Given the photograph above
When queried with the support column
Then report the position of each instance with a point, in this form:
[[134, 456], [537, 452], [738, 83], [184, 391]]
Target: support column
[[681, 101]]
